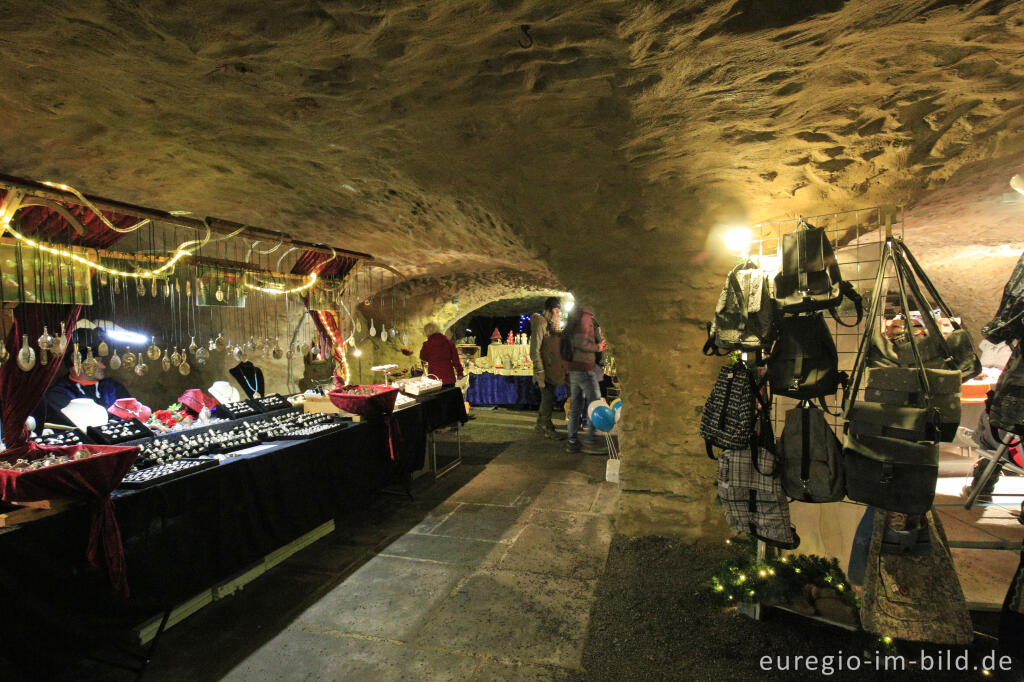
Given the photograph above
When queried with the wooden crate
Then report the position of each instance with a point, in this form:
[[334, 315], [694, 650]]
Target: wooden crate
[[323, 405], [32, 511]]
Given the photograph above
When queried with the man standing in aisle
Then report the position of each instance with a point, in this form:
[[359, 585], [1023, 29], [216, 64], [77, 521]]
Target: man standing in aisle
[[548, 371], [583, 379]]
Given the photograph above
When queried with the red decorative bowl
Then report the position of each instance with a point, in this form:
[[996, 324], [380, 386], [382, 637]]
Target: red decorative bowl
[[380, 402]]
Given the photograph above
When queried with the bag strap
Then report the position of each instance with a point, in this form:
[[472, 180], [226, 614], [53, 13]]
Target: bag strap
[[710, 347], [909, 328], [847, 290], [927, 282], [927, 316], [878, 294], [877, 297], [805, 444]]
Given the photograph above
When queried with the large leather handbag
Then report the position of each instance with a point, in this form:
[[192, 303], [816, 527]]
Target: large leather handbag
[[953, 351], [890, 473], [898, 386], [890, 454]]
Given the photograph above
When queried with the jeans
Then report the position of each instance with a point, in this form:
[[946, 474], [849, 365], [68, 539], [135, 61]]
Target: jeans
[[547, 405], [583, 390]]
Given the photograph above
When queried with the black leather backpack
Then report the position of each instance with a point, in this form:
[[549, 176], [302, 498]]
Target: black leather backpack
[[809, 278], [804, 363]]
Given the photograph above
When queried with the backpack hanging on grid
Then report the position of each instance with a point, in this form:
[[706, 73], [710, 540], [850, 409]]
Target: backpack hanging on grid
[[730, 411], [811, 457], [804, 363], [809, 278], [745, 314], [751, 491]]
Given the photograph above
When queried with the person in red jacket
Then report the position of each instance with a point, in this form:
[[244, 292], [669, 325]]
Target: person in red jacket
[[441, 355]]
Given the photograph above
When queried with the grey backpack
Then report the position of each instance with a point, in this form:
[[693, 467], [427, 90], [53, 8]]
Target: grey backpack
[[745, 314], [812, 457]]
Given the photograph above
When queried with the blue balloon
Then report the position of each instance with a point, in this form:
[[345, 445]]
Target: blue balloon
[[603, 418]]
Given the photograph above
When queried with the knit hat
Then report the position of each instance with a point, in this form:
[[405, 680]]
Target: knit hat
[[552, 302]]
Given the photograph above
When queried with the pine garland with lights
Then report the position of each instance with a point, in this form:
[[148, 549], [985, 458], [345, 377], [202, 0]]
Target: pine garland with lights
[[778, 579]]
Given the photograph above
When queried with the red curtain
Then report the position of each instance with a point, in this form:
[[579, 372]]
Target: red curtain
[[311, 261], [21, 391]]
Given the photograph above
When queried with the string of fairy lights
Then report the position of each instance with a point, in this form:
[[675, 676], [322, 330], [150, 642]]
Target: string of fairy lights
[[8, 210]]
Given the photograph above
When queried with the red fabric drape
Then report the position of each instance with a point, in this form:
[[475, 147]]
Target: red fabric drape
[[310, 261], [92, 480], [21, 391], [48, 225], [381, 403]]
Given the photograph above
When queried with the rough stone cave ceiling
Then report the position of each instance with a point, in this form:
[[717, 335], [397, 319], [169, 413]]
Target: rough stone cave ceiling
[[425, 134]]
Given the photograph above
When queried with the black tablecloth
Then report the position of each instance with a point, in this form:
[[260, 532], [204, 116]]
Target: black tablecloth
[[188, 534]]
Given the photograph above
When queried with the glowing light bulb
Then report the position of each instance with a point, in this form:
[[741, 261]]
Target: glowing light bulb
[[738, 240]]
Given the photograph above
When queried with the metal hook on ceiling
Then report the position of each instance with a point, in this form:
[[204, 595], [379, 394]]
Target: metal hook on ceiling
[[525, 30]]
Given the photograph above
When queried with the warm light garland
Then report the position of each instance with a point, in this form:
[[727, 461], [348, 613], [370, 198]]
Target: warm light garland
[[275, 291], [88, 204], [146, 274]]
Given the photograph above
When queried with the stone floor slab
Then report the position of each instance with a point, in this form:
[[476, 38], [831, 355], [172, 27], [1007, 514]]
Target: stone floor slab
[[483, 522], [388, 597], [295, 655], [570, 497], [445, 549], [523, 617], [561, 544], [494, 671]]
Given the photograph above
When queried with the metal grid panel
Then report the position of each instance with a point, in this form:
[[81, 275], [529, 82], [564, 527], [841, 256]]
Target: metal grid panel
[[858, 237]]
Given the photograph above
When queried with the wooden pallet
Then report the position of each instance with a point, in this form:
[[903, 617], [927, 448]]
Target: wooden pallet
[[32, 511]]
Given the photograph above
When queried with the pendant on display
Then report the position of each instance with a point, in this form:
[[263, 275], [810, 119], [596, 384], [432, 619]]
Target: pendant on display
[[45, 341], [251, 346], [192, 347], [26, 356], [115, 360], [167, 289], [405, 339], [239, 353], [153, 352], [165, 363], [103, 279], [141, 369], [128, 359], [4, 354], [351, 341], [117, 286], [220, 342], [91, 365], [291, 352], [152, 288], [256, 395], [373, 329], [103, 349], [383, 335], [62, 341], [277, 353], [175, 358], [184, 368], [219, 294], [359, 326], [140, 286], [202, 355], [44, 357], [188, 287]]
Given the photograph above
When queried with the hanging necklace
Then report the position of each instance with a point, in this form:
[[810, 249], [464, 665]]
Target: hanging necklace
[[256, 380]]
